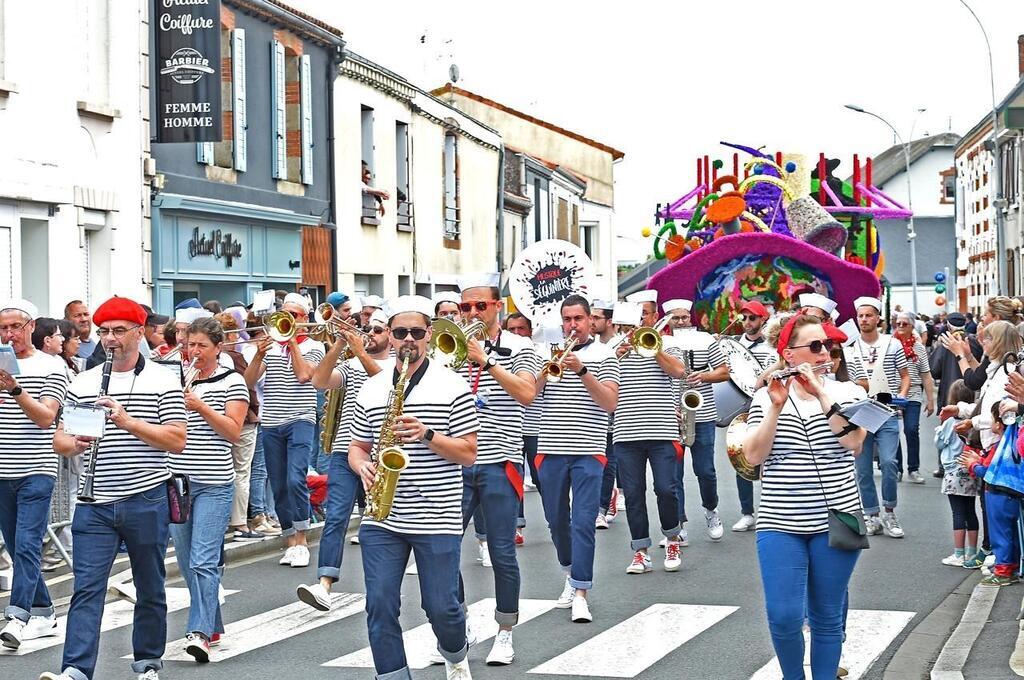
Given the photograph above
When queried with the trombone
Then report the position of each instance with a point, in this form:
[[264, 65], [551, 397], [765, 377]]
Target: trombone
[[449, 342], [281, 326], [645, 340], [554, 368]]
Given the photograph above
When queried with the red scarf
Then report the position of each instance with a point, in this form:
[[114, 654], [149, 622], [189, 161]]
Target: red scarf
[[908, 343]]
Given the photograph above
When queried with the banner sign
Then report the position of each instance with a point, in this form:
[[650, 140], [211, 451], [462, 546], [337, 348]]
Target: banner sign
[[188, 61], [545, 274]]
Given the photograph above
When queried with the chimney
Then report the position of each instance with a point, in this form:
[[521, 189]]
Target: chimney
[[1020, 55]]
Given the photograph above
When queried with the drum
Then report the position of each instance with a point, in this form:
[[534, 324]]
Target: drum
[[732, 397]]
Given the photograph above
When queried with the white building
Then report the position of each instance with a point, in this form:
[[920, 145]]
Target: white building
[[74, 139]]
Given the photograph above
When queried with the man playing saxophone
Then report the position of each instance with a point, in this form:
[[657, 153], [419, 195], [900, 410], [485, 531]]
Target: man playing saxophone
[[342, 482], [437, 426]]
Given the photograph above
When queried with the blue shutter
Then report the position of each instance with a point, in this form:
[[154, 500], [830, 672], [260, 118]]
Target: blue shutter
[[279, 124], [238, 93], [306, 109]]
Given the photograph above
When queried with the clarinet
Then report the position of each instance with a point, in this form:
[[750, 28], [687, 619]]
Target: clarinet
[[86, 496]]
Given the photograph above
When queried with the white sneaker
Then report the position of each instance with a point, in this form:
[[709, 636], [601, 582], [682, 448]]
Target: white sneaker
[[150, 674], [301, 556], [581, 610], [316, 596], [662, 543], [13, 633], [602, 521], [40, 627], [684, 539], [501, 653], [641, 563], [715, 530], [354, 540], [485, 555], [458, 671], [672, 559], [873, 525], [54, 676], [745, 523], [990, 560], [620, 501], [891, 525], [286, 559], [954, 560], [565, 599], [916, 477]]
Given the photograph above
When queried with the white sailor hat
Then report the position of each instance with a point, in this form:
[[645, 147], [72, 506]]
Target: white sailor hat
[[22, 305], [602, 304], [627, 313], [481, 280], [296, 299], [817, 300], [447, 296], [410, 303], [377, 301], [678, 303], [379, 317], [641, 296], [869, 302], [190, 314]]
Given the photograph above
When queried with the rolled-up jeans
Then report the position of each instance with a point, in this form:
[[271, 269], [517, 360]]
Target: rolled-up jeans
[[886, 439], [287, 448], [342, 484], [24, 513], [702, 458], [572, 527], [633, 458]]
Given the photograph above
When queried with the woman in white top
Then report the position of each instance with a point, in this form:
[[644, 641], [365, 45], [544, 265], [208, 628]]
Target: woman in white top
[[806, 449], [216, 403]]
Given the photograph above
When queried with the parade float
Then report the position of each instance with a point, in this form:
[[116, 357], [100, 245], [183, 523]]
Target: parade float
[[770, 227]]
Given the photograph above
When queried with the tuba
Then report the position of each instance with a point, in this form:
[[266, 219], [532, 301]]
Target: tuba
[[449, 343], [387, 454]]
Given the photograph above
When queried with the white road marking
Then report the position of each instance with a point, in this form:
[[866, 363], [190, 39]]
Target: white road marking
[[950, 664]]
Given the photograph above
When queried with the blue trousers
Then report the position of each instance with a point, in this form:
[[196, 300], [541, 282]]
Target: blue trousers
[[633, 459], [803, 576], [1003, 512], [608, 478], [487, 488], [341, 496], [745, 490], [385, 555], [24, 514], [287, 449], [572, 529], [141, 522], [530, 454], [702, 458], [197, 547], [912, 431], [887, 440], [258, 478]]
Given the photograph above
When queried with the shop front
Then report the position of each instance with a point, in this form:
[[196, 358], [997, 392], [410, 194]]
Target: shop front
[[217, 250]]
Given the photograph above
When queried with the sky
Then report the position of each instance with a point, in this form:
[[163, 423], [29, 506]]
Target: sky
[[664, 82]]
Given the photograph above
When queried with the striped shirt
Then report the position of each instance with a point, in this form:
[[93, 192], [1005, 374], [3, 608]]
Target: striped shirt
[[572, 423], [762, 351], [791, 495], [28, 448], [126, 465], [643, 412], [353, 375], [867, 355], [285, 399], [428, 499], [917, 369], [702, 353], [207, 455], [501, 417]]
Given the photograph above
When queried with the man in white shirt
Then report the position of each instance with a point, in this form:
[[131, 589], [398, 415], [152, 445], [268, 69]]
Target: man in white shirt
[[601, 325]]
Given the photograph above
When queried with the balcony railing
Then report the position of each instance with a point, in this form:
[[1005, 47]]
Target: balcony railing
[[404, 216], [451, 223], [371, 216]]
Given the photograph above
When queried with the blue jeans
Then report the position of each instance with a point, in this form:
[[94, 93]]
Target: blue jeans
[[487, 488], [912, 431], [479, 521], [887, 439], [611, 473], [341, 496], [530, 454], [572, 529], [320, 460], [141, 522], [287, 450], [745, 490], [24, 514], [258, 478], [803, 576], [633, 458], [702, 458], [197, 546], [385, 555]]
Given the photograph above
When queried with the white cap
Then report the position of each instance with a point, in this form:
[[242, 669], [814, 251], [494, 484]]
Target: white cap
[[22, 305], [817, 300], [678, 303], [602, 304], [379, 317], [834, 314], [627, 313], [190, 314], [378, 302], [649, 295], [869, 302], [296, 299], [482, 280], [357, 302], [410, 303], [447, 296]]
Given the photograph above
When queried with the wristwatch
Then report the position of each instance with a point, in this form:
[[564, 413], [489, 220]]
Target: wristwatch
[[583, 371], [490, 363], [16, 391], [428, 436]]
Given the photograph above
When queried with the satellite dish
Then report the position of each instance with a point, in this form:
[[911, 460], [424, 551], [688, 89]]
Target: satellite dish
[[453, 73]]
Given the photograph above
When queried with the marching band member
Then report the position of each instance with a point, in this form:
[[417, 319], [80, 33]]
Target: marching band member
[[755, 315], [502, 377], [601, 326], [146, 420], [446, 306], [287, 420], [342, 304], [795, 430], [611, 493], [28, 470], [438, 428], [217, 401], [706, 365], [817, 305], [371, 303], [572, 447], [882, 359], [646, 431], [342, 482]]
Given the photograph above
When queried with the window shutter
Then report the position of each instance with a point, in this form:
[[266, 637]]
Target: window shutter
[[204, 153], [238, 85], [279, 123], [306, 107]]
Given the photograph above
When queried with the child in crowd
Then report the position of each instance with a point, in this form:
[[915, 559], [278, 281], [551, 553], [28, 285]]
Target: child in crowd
[[959, 486]]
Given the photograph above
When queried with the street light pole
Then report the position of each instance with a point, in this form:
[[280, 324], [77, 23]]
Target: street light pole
[[911, 233]]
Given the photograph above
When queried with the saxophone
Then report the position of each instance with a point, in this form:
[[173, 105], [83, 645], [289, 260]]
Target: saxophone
[[331, 419], [691, 402], [387, 454]]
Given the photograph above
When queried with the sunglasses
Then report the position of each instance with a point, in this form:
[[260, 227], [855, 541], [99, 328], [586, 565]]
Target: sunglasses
[[403, 333], [479, 305], [750, 317], [816, 346], [377, 330]]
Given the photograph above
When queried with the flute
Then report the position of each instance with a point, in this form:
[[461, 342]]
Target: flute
[[789, 372]]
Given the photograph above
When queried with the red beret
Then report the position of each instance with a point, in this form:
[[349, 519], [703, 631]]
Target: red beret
[[119, 308]]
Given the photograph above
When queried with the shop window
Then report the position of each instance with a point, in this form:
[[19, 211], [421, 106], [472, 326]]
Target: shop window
[[292, 122], [231, 151], [588, 239]]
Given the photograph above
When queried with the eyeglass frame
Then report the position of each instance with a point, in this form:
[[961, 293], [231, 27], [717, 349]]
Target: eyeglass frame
[[401, 333], [826, 344], [118, 333]]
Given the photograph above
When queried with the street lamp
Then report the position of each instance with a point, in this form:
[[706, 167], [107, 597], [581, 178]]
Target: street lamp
[[911, 233]]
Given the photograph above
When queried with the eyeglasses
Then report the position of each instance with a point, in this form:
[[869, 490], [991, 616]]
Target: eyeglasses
[[903, 323], [13, 327], [378, 330], [750, 317], [478, 305], [118, 332], [816, 346], [403, 333]]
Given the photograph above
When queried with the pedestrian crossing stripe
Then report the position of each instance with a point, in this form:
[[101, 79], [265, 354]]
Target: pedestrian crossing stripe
[[116, 614], [420, 642], [868, 634], [276, 625], [628, 648]]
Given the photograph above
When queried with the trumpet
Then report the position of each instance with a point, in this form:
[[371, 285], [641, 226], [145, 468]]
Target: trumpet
[[554, 368], [789, 372], [449, 342]]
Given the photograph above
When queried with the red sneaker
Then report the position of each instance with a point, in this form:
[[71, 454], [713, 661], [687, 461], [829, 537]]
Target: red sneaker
[[520, 538], [215, 639]]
